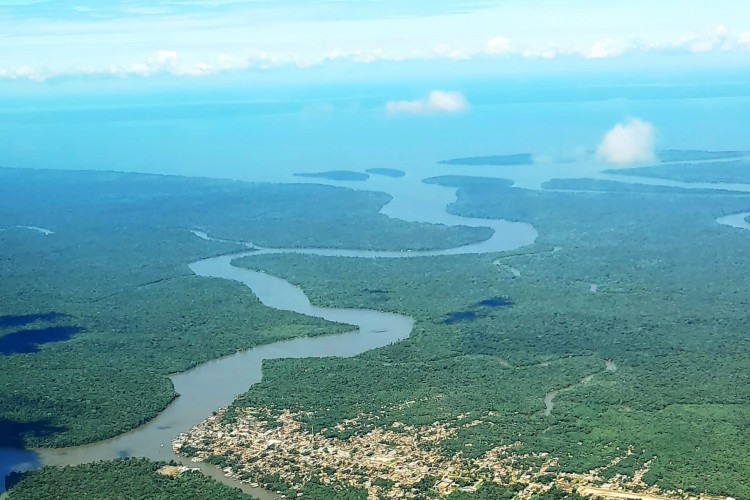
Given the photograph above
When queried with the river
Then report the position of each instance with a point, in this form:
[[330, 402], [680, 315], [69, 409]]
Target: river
[[216, 383]]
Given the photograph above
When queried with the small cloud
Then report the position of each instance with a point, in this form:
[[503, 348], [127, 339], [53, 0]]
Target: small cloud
[[548, 51], [147, 11], [629, 142], [405, 107], [606, 47], [438, 101], [23, 73], [447, 102], [165, 56], [498, 45], [715, 38], [446, 51]]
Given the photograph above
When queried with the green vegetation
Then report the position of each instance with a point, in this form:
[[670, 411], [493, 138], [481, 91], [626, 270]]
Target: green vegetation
[[488, 491], [314, 489], [389, 172], [642, 189], [117, 479], [670, 309], [669, 155], [336, 175], [95, 316], [516, 159], [672, 155], [737, 171]]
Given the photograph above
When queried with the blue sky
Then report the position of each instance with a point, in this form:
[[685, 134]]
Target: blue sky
[[222, 88], [46, 41]]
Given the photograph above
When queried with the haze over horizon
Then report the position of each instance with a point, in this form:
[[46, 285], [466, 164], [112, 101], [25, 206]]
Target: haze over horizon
[[231, 88]]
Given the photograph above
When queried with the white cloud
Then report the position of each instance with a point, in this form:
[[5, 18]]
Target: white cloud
[[438, 101], [606, 47], [165, 56], [716, 38], [445, 51], [743, 40], [357, 56], [405, 106], [629, 142], [447, 102], [498, 45], [246, 39], [147, 11]]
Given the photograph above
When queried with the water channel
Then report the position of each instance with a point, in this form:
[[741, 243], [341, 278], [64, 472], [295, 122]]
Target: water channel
[[216, 383]]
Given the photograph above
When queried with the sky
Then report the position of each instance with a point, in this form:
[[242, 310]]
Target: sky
[[232, 87], [258, 40]]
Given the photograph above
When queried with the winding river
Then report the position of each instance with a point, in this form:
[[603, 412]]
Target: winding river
[[216, 383], [739, 221]]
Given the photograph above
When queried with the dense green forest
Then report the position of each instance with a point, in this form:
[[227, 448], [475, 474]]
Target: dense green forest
[[736, 171], [603, 185], [667, 155], [682, 155], [125, 479], [95, 316], [643, 276], [515, 159], [388, 172], [336, 175]]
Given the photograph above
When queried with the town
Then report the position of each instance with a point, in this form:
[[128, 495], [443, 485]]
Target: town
[[401, 461]]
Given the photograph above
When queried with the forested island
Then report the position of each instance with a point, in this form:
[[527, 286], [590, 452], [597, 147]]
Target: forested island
[[336, 175], [735, 171], [514, 159], [388, 172]]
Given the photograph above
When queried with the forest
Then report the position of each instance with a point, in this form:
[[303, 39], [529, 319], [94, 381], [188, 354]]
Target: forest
[[138, 478], [669, 309], [336, 175], [123, 479], [388, 172], [94, 316], [514, 159], [734, 171], [640, 276]]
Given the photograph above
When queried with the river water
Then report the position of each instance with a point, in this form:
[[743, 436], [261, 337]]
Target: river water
[[216, 383]]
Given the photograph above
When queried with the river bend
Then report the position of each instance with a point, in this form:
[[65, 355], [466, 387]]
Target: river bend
[[216, 383]]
